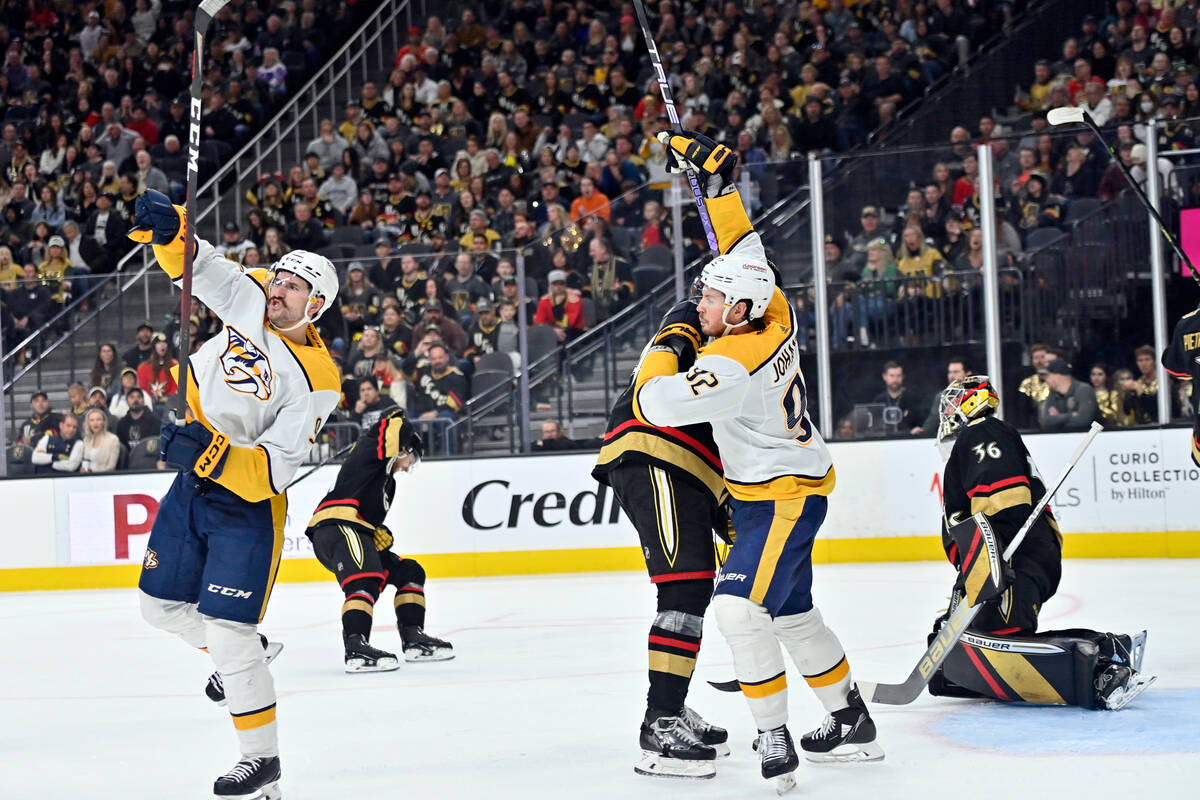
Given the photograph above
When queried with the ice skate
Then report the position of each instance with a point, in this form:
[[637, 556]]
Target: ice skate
[[362, 657], [1117, 685], [777, 757], [709, 734], [671, 749], [215, 689], [847, 734], [420, 646], [251, 779]]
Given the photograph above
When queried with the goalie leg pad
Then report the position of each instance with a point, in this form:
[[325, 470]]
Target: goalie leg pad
[[1054, 667], [757, 658], [818, 655]]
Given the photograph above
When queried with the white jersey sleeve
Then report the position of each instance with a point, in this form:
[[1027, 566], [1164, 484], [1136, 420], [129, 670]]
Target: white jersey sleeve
[[714, 388]]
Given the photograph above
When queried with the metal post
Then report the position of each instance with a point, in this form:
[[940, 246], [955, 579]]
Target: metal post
[[523, 347], [677, 234], [1158, 271], [816, 216], [746, 189], [3, 417], [991, 275]]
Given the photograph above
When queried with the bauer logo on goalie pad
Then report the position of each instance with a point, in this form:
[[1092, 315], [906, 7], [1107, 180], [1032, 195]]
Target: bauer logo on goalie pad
[[226, 591], [246, 365]]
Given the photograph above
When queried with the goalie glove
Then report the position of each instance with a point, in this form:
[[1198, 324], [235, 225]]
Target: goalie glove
[[713, 162], [680, 330]]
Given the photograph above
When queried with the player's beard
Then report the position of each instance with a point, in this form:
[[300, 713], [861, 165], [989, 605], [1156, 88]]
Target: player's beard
[[280, 315]]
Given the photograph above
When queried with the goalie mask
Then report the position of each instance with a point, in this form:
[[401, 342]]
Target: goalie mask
[[738, 278], [963, 401], [318, 272]]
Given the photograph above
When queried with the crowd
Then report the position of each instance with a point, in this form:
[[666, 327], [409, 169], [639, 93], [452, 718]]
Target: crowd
[[1049, 397]]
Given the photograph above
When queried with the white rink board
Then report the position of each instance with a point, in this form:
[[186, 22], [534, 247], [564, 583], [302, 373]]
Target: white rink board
[[1129, 481]]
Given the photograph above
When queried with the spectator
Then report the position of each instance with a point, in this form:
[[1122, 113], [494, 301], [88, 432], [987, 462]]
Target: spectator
[[118, 405], [433, 318], [1108, 399], [465, 288], [440, 389], [371, 405], [560, 309], [1140, 395], [232, 245], [41, 419], [956, 369], [107, 227], [59, 450], [554, 440], [895, 395], [30, 304], [590, 201], [1078, 178], [101, 449], [77, 398], [360, 300], [339, 188], [142, 348], [105, 372], [1094, 100], [1070, 405], [395, 334], [609, 279], [84, 250], [484, 333], [49, 208], [154, 373], [1033, 388], [361, 360], [304, 232], [328, 145], [1034, 208]]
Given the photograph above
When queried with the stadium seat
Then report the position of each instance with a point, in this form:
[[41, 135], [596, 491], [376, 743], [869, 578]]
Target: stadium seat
[[144, 455]]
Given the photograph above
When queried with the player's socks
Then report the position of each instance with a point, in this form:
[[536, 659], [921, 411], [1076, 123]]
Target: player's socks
[[250, 779], [777, 757], [670, 748], [710, 734], [215, 688], [420, 646], [362, 657], [847, 734]]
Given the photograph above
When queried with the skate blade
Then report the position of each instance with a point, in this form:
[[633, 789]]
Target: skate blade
[[784, 783], [722, 749], [444, 655], [847, 754], [655, 765], [272, 652], [269, 792], [382, 665], [1137, 651], [1123, 697]]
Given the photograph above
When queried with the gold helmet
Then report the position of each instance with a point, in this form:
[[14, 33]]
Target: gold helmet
[[964, 400]]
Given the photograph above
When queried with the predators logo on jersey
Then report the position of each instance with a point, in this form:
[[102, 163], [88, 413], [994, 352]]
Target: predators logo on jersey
[[247, 367]]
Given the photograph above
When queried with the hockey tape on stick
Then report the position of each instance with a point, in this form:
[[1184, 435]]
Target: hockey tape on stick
[[954, 626], [1068, 116], [665, 88]]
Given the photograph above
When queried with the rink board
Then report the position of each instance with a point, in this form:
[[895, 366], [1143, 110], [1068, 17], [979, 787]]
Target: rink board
[[1132, 495]]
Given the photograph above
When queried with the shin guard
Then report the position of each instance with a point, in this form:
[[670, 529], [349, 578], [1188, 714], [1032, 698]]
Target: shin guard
[[757, 658]]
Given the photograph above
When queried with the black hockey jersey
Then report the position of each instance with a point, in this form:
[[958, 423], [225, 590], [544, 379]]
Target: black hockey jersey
[[363, 490], [1182, 360], [989, 471]]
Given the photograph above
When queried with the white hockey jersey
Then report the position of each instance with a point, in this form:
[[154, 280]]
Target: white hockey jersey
[[268, 395], [750, 388]]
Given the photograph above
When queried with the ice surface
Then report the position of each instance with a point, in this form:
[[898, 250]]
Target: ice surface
[[548, 688]]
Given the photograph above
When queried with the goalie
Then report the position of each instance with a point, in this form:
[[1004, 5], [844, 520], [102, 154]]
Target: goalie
[[989, 488]]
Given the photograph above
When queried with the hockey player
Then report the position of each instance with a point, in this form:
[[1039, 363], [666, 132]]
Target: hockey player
[[747, 383], [1182, 360], [257, 395], [989, 473], [351, 541], [668, 480]]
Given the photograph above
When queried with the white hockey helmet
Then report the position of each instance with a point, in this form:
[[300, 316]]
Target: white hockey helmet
[[739, 278], [318, 271]]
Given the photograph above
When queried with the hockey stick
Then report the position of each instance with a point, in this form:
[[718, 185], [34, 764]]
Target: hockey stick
[[1065, 116], [956, 624], [952, 629], [665, 88], [325, 461], [204, 15]]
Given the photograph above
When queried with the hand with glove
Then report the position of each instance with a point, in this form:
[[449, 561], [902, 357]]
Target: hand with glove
[[680, 329], [383, 538], [193, 448], [712, 162], [156, 221]]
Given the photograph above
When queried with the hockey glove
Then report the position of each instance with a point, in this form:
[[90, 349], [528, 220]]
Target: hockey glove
[[713, 162], [157, 221], [383, 538], [680, 329], [193, 448]]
